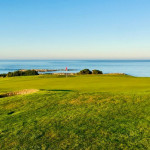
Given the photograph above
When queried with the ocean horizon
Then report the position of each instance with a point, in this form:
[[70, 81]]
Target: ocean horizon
[[138, 68]]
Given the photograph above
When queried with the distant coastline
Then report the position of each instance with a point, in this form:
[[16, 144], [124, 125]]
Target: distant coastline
[[139, 68]]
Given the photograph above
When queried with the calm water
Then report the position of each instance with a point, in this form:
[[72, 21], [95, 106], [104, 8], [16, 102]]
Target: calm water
[[139, 68]]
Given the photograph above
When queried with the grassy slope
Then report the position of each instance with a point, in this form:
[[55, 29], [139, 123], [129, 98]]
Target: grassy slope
[[81, 112]]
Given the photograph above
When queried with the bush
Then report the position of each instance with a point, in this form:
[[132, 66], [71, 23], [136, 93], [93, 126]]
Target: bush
[[97, 72], [22, 73], [18, 73], [10, 74], [85, 71], [3, 75], [30, 72]]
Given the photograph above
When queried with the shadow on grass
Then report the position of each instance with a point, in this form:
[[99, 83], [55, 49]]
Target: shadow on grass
[[56, 90], [11, 112], [3, 95]]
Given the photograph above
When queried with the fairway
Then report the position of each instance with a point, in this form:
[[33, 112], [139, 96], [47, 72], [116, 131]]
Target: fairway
[[80, 112]]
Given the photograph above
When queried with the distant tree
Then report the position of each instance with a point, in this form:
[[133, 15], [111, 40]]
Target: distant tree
[[85, 71], [97, 72]]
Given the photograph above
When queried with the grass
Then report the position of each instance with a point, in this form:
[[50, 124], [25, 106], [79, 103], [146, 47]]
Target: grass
[[87, 112]]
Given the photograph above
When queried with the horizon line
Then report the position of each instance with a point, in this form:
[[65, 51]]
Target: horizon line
[[74, 59]]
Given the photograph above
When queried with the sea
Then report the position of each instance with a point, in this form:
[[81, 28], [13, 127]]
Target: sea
[[138, 68]]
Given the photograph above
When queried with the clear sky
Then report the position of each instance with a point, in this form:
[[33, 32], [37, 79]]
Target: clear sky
[[74, 29]]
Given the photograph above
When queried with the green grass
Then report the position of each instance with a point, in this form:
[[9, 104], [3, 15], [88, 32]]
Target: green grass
[[86, 112]]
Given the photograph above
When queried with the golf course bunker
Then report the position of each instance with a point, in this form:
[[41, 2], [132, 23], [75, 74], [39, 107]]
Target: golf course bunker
[[21, 92]]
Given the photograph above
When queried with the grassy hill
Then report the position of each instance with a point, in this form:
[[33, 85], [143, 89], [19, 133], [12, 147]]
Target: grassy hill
[[79, 112]]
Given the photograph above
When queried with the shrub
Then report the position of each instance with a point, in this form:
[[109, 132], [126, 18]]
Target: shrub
[[85, 71], [17, 73], [3, 75], [22, 73], [10, 74], [30, 72], [97, 72]]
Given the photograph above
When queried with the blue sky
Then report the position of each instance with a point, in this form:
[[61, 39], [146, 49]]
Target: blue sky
[[74, 29]]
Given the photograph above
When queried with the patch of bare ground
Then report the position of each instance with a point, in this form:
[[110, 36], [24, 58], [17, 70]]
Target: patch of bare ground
[[21, 92]]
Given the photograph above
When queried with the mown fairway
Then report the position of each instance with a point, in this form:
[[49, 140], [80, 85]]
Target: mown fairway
[[87, 112]]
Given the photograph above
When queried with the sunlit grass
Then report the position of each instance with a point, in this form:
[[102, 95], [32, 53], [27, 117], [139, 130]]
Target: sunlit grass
[[80, 112]]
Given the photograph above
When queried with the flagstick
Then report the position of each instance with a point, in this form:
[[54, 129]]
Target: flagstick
[[66, 73]]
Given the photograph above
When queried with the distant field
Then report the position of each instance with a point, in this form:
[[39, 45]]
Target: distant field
[[86, 112]]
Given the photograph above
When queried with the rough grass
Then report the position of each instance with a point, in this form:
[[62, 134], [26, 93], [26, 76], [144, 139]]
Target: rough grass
[[80, 112]]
